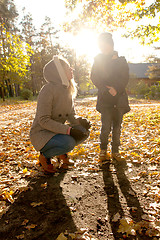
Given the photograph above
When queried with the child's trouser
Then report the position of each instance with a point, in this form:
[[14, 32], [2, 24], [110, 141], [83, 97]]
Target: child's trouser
[[111, 119]]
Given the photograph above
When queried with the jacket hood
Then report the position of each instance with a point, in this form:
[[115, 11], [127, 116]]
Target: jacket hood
[[54, 72]]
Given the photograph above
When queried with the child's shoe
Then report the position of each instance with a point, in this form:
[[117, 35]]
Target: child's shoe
[[103, 156], [118, 157]]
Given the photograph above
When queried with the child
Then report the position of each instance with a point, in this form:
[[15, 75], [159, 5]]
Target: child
[[110, 75], [49, 133]]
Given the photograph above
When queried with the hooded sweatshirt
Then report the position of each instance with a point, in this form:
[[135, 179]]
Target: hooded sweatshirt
[[54, 107]]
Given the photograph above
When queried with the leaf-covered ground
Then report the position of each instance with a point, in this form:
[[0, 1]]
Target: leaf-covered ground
[[89, 201]]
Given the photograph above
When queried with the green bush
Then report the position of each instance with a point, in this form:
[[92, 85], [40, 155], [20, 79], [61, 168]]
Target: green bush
[[154, 92], [142, 89], [26, 94], [131, 87]]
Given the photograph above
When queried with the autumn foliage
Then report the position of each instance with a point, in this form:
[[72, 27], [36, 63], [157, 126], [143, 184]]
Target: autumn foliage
[[140, 146]]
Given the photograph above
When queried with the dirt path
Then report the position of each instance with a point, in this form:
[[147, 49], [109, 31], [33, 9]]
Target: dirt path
[[89, 201]]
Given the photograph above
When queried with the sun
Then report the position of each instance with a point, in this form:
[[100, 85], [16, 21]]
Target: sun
[[85, 43]]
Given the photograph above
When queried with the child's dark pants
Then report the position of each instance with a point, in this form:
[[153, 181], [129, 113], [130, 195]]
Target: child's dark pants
[[111, 119]]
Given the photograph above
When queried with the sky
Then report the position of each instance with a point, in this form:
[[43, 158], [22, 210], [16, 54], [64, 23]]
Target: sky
[[85, 42], [55, 9]]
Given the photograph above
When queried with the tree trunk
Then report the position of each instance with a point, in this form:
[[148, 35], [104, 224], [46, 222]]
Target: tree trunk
[[9, 88], [2, 93], [17, 89]]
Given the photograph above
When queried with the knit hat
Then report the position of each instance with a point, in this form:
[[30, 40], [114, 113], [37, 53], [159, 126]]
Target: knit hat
[[106, 37]]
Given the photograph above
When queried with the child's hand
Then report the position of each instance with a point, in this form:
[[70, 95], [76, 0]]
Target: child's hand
[[112, 91], [114, 57]]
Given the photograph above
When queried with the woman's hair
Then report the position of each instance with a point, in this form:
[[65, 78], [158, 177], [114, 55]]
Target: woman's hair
[[72, 85]]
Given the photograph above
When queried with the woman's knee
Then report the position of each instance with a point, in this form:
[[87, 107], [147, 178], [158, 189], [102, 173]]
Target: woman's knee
[[69, 144]]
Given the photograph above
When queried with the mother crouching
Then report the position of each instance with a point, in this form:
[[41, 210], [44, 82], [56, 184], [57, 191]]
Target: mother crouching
[[50, 134]]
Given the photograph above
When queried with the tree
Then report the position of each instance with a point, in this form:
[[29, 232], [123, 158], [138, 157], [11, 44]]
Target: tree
[[49, 32], [149, 32], [29, 35], [82, 74], [8, 14], [109, 15], [14, 58], [105, 14], [45, 47], [47, 41], [154, 70]]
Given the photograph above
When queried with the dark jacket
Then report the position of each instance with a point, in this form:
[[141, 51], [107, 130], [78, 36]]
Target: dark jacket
[[114, 73]]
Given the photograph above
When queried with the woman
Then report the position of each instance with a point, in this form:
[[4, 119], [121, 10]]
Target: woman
[[49, 133]]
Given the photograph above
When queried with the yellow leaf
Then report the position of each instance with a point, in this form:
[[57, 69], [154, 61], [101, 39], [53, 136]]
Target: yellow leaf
[[25, 222], [25, 170], [61, 237], [44, 185], [29, 227], [126, 227], [34, 204], [7, 196], [20, 236]]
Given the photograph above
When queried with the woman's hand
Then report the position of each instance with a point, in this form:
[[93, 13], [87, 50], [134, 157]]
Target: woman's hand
[[84, 123], [112, 91], [77, 134]]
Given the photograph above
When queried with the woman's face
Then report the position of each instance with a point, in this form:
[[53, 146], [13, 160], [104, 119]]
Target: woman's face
[[69, 72]]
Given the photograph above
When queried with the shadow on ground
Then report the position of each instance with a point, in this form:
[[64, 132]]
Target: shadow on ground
[[48, 220], [121, 197]]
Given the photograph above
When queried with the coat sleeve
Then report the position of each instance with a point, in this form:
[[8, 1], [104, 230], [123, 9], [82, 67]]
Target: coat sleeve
[[121, 75], [72, 117], [44, 110], [98, 78]]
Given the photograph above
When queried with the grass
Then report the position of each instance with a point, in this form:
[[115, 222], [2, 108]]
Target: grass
[[16, 100]]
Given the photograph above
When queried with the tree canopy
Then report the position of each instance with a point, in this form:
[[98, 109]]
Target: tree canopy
[[113, 14]]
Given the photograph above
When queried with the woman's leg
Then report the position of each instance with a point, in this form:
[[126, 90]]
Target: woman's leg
[[58, 145]]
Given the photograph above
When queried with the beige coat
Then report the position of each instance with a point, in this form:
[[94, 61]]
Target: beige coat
[[54, 108]]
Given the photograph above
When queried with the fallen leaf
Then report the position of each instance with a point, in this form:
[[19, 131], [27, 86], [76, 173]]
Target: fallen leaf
[[126, 227], [34, 204], [25, 222], [116, 217], [61, 237], [44, 185], [20, 236], [25, 170], [29, 227]]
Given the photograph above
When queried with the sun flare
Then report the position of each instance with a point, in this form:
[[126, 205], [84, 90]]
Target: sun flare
[[85, 43]]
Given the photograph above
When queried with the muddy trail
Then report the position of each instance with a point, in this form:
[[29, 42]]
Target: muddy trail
[[116, 200]]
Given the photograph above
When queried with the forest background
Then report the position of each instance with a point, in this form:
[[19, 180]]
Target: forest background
[[113, 200], [26, 48]]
